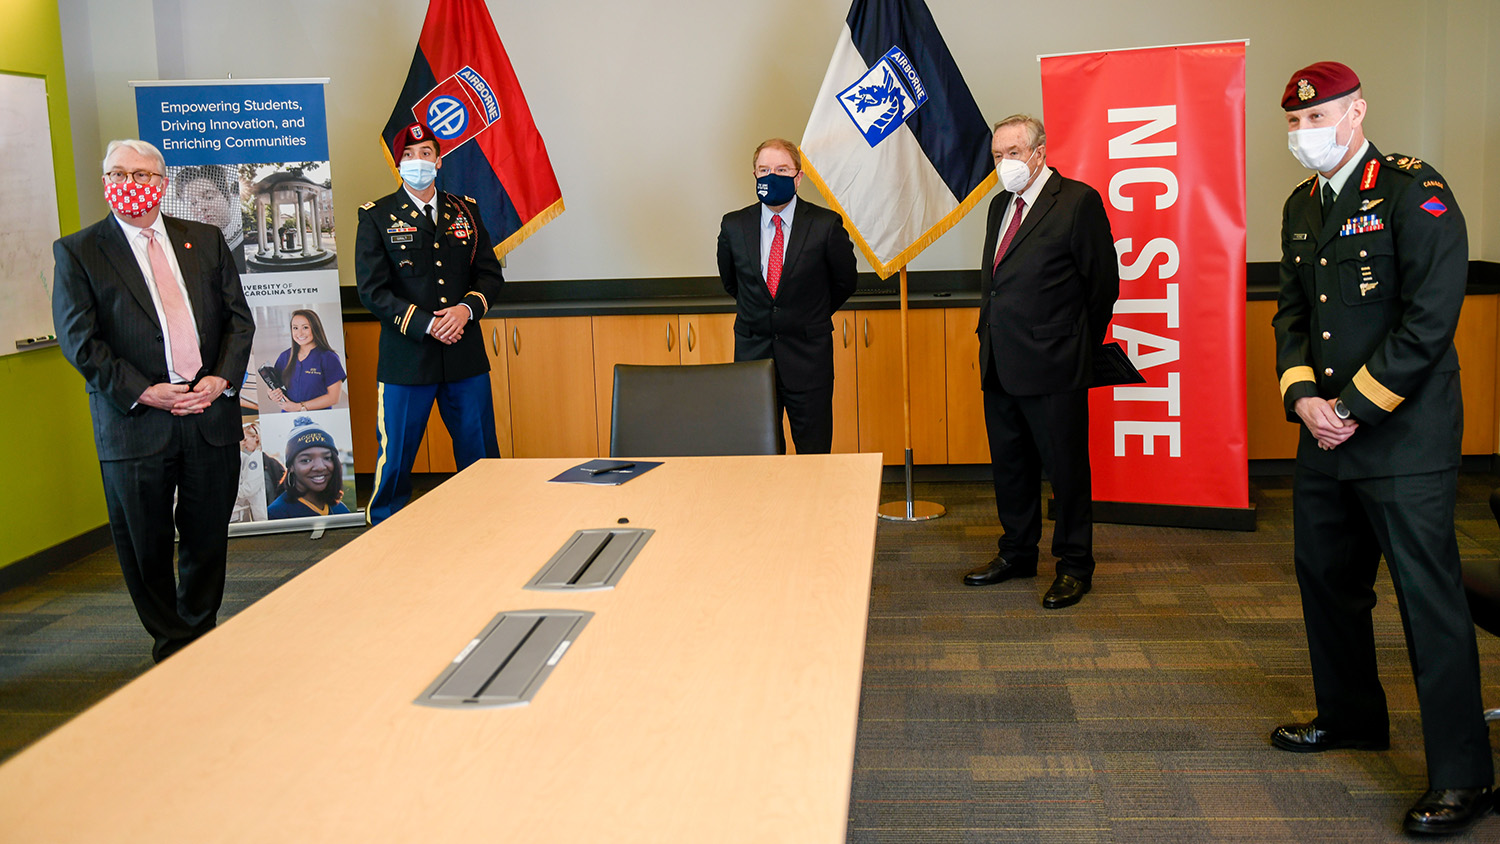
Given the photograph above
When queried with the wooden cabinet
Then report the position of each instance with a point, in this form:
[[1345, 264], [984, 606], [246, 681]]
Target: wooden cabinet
[[553, 381], [550, 363], [706, 338], [1475, 341], [494, 347], [967, 439], [845, 384], [878, 365], [650, 340]]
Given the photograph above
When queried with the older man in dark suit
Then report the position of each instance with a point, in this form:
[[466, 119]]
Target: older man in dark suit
[[149, 309], [1050, 280], [789, 265]]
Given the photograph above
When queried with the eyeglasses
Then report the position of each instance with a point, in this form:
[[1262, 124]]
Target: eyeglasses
[[140, 177], [783, 170]]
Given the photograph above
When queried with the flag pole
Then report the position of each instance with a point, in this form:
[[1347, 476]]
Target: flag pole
[[907, 510]]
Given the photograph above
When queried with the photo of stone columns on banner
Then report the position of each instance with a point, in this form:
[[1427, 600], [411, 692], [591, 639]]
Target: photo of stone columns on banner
[[251, 158]]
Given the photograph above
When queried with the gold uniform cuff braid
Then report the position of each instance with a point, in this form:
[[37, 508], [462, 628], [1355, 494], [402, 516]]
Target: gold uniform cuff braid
[[1295, 375], [411, 309], [1376, 392], [484, 303]]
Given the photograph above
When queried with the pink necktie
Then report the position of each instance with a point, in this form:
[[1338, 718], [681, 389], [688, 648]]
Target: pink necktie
[[773, 262], [1010, 233], [186, 359]]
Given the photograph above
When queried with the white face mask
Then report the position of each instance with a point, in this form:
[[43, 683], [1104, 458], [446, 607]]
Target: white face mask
[[1014, 174], [1319, 149], [419, 173]]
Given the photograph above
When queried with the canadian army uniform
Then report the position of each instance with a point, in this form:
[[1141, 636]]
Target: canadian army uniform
[[408, 267], [1369, 303]]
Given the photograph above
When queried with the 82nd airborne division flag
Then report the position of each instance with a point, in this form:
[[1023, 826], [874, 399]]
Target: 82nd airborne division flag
[[461, 85]]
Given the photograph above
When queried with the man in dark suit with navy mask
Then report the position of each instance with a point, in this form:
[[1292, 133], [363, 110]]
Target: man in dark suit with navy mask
[[789, 265], [149, 309], [1049, 283]]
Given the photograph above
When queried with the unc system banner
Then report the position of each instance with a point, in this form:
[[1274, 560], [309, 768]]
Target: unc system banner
[[895, 142], [251, 157], [1161, 133]]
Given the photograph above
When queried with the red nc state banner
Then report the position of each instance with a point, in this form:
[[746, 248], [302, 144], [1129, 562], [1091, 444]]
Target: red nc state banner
[[1160, 132]]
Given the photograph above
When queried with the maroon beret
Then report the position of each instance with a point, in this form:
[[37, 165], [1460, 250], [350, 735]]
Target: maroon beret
[[1318, 83], [416, 133]]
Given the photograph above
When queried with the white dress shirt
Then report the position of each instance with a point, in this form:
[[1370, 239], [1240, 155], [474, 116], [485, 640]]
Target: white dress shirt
[[135, 236], [768, 232]]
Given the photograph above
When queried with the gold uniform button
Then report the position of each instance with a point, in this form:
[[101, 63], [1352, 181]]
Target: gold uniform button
[[440, 263], [444, 300], [1323, 261], [1327, 336], [1297, 260], [1363, 253], [440, 281], [1323, 298], [1328, 372]]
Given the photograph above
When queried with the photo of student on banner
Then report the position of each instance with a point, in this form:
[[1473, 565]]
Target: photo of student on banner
[[290, 216], [210, 193], [308, 372], [260, 478], [319, 477]]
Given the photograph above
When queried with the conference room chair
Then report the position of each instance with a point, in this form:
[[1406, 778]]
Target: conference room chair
[[692, 411]]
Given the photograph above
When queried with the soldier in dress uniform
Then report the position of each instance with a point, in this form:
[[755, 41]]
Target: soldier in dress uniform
[[426, 269], [1373, 270]]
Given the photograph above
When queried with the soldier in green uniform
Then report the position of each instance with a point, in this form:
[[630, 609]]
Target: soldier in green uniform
[[425, 268], [1373, 270]]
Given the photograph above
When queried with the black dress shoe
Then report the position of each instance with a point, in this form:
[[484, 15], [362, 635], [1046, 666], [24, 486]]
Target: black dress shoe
[[1445, 811], [1310, 738], [1066, 591], [998, 570]]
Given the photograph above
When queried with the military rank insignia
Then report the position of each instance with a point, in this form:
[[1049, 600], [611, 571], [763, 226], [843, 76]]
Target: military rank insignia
[[1372, 171], [1435, 207], [1361, 224]]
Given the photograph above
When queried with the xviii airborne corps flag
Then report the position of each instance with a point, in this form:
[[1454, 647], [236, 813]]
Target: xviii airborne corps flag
[[461, 85], [895, 142]]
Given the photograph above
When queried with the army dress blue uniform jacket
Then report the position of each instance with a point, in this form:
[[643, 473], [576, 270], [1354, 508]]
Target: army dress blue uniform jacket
[[406, 270], [1368, 307]]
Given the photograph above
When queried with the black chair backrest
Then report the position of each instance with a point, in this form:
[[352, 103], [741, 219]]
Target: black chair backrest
[[689, 411]]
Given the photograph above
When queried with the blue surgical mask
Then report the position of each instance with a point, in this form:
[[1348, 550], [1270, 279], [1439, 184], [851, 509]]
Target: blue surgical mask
[[773, 189], [418, 172]]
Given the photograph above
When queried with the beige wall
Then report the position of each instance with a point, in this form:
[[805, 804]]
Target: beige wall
[[650, 108]]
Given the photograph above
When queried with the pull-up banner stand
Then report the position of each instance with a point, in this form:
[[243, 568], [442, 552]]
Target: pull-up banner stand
[[1161, 133], [250, 156]]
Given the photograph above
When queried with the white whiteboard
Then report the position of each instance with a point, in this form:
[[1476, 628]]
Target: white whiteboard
[[28, 211]]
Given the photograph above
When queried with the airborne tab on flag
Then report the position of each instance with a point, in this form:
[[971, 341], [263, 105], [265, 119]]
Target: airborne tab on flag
[[896, 143], [462, 86]]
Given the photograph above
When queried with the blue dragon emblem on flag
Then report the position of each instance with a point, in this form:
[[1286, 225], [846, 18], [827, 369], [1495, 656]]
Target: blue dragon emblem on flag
[[888, 93]]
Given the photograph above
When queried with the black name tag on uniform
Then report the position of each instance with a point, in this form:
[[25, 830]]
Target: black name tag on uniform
[[401, 238]]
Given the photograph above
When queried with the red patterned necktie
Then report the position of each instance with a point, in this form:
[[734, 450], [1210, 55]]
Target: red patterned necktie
[[1010, 233], [773, 263], [186, 359]]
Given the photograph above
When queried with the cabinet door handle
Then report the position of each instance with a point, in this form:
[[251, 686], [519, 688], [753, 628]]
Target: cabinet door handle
[[669, 336], [690, 336], [846, 332], [495, 340], [867, 332], [515, 339]]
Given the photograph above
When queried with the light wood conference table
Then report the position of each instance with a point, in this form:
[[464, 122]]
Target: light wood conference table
[[712, 697]]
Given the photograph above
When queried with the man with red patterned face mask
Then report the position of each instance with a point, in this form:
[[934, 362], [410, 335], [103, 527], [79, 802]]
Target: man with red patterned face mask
[[149, 309]]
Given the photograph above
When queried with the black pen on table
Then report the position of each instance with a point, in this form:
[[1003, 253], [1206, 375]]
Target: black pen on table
[[613, 467]]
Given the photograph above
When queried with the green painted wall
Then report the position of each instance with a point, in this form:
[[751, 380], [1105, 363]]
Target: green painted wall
[[52, 490]]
